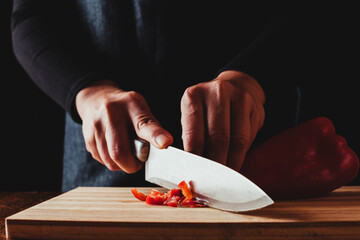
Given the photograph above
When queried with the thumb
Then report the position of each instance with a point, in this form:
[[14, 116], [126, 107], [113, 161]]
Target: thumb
[[149, 129], [146, 126]]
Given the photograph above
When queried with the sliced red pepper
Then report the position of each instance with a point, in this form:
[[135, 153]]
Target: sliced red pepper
[[155, 198], [175, 192], [185, 190], [155, 192], [173, 197], [139, 195], [190, 202], [173, 201]]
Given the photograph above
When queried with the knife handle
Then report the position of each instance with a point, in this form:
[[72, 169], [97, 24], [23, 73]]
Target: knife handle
[[142, 149]]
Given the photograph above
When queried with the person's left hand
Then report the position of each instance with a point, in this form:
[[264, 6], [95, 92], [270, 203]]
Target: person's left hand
[[221, 118]]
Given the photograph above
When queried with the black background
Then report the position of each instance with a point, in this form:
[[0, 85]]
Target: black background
[[33, 125]]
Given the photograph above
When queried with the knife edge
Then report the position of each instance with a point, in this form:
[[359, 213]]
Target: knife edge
[[213, 183]]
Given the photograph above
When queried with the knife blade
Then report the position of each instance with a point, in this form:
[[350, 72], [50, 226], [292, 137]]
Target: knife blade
[[214, 184]]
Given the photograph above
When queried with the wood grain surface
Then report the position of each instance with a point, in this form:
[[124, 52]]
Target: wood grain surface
[[113, 213]]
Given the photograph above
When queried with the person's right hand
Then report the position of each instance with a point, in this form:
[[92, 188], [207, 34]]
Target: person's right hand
[[109, 117]]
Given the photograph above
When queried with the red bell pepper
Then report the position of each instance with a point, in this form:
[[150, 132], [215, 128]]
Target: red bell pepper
[[307, 160]]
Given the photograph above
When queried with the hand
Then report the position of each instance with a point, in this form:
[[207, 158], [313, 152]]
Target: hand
[[221, 118], [110, 116]]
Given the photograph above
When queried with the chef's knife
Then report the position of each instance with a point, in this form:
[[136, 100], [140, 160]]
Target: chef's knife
[[216, 185]]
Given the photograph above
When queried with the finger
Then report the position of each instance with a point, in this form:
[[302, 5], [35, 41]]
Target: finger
[[192, 121], [256, 120], [90, 143], [119, 148], [145, 124], [103, 151], [92, 148], [241, 131], [218, 124]]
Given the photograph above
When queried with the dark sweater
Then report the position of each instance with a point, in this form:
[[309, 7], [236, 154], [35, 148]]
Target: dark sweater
[[64, 45], [157, 48]]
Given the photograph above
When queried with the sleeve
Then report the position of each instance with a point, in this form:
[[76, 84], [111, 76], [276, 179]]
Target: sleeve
[[47, 46]]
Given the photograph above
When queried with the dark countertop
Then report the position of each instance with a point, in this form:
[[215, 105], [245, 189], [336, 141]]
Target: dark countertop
[[13, 202]]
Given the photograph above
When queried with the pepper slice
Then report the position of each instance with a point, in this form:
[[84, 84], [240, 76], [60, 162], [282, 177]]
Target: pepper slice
[[172, 201], [139, 195], [185, 190], [173, 198], [155, 198]]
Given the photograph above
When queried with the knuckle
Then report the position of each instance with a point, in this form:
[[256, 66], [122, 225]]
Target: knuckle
[[133, 97], [96, 125], [239, 140], [88, 139], [96, 157], [219, 85], [118, 102], [142, 117], [89, 134], [190, 94], [188, 135], [190, 100], [88, 146], [143, 121], [107, 114], [115, 153], [90, 127], [112, 166], [219, 139], [220, 88], [108, 105], [246, 97], [192, 138]]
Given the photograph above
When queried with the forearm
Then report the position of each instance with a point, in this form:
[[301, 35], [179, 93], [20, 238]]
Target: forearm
[[47, 51]]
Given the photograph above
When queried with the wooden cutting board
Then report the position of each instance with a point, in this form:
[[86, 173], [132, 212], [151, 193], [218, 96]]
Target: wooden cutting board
[[113, 213]]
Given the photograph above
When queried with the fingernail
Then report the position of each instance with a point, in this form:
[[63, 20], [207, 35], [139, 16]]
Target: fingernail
[[162, 140]]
